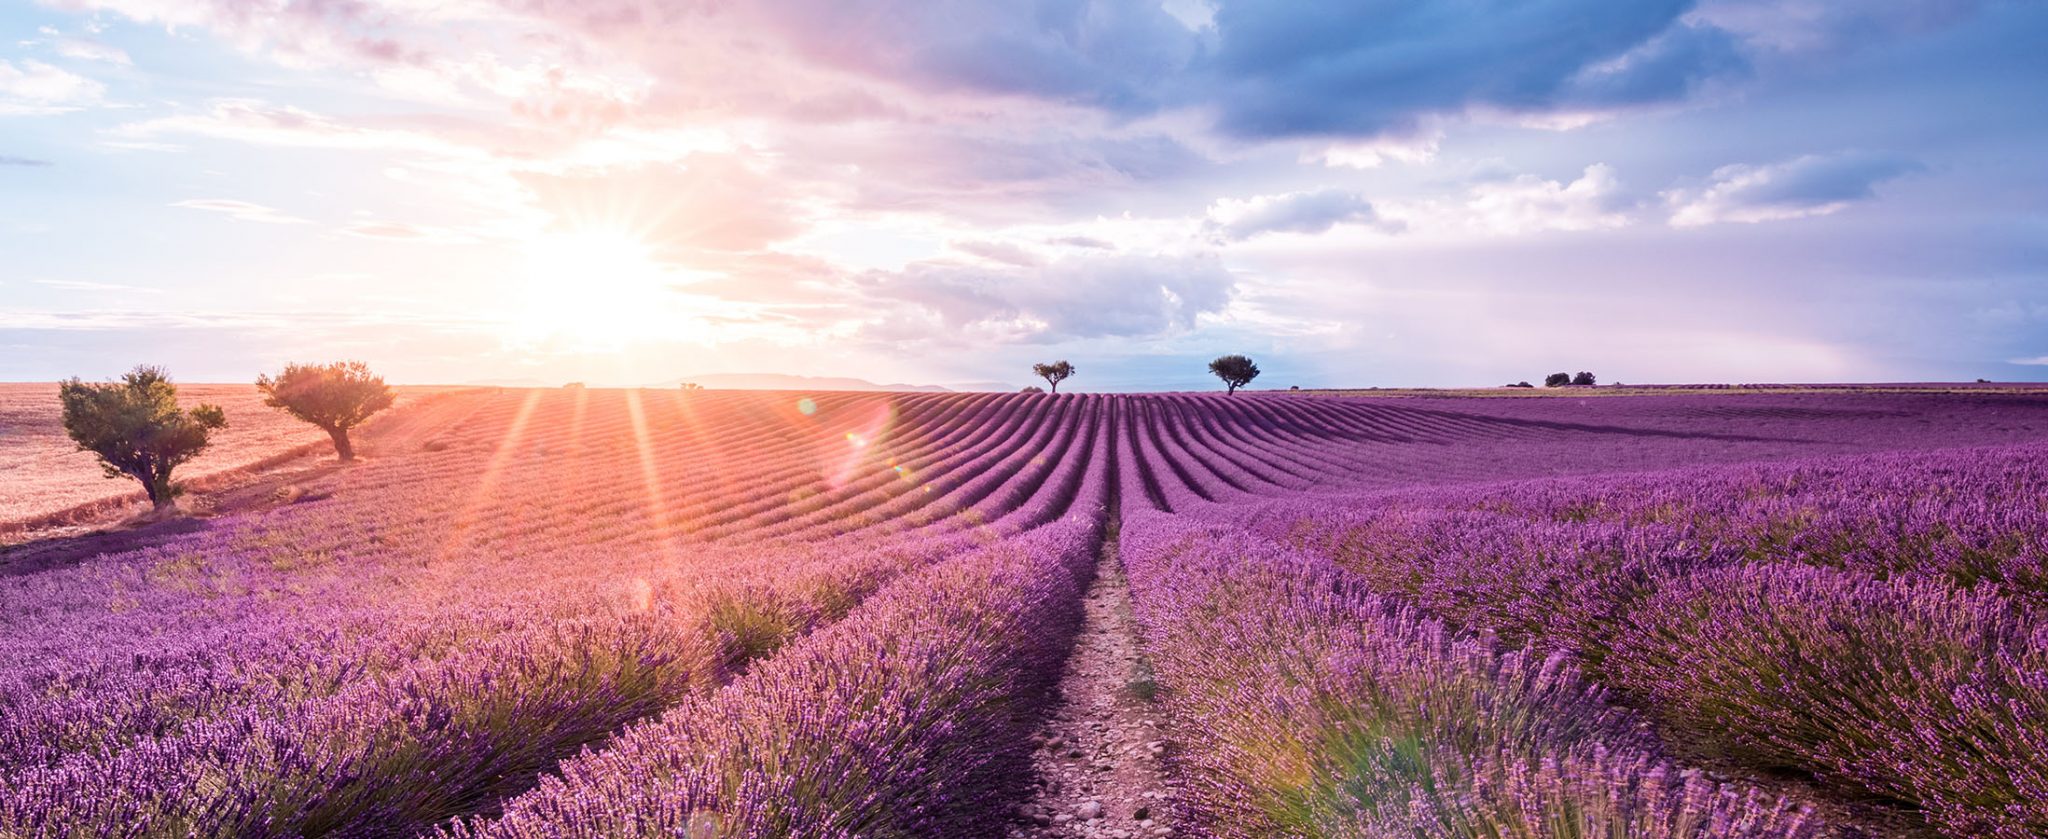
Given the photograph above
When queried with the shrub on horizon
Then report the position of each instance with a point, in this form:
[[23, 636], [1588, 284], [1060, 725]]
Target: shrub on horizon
[[1557, 380], [1236, 371], [1053, 373], [136, 428], [335, 397], [1584, 379]]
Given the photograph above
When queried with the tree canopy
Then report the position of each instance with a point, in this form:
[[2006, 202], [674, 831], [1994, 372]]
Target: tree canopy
[[1053, 373], [1236, 371], [137, 429], [336, 397]]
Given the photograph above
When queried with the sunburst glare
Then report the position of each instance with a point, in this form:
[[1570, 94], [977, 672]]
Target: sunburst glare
[[595, 289]]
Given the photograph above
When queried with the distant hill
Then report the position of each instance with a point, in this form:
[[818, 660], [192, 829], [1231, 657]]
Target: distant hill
[[784, 381], [508, 383]]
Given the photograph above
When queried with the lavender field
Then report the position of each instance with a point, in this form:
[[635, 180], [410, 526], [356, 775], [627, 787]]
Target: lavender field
[[762, 614]]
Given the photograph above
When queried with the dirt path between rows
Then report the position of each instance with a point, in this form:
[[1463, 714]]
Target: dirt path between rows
[[1098, 766]]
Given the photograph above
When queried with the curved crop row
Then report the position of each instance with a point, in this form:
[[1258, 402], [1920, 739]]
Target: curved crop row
[[1304, 705], [909, 718], [442, 738], [378, 649], [1871, 622]]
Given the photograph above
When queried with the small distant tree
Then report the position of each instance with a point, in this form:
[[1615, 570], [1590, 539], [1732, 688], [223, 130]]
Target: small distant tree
[[692, 386], [1236, 371], [1521, 384], [572, 386], [137, 429], [1053, 373], [1557, 380], [1032, 389], [336, 397], [1583, 379]]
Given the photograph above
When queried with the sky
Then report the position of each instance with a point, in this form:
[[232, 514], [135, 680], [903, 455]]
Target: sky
[[1359, 193]]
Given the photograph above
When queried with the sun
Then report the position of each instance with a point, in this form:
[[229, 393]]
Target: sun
[[593, 289]]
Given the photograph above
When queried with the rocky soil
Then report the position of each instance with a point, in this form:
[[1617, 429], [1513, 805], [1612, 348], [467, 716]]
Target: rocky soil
[[1098, 765]]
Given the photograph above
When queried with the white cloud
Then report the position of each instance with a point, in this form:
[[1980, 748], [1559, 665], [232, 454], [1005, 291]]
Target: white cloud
[[1529, 204], [1121, 296], [83, 49], [87, 285], [1310, 212], [34, 88], [241, 210], [253, 121], [406, 232], [1812, 185], [1370, 154]]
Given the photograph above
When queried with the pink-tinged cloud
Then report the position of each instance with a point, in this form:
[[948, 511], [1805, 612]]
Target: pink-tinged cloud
[[702, 202], [35, 88], [1074, 298], [891, 175], [1007, 253], [404, 232], [1309, 212], [241, 210]]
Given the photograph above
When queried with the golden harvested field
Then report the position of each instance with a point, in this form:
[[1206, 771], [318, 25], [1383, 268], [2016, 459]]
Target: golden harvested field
[[43, 474]]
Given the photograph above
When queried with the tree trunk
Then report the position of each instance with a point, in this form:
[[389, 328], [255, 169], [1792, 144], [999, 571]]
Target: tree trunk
[[1055, 385], [341, 444], [161, 499], [1232, 391]]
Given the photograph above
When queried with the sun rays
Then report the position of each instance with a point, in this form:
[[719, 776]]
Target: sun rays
[[594, 289], [486, 483]]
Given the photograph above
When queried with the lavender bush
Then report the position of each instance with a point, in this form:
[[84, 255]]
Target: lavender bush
[[1308, 706], [1912, 691], [588, 612]]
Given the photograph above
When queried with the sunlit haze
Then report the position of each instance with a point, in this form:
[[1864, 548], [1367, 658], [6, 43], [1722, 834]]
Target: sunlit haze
[[632, 192]]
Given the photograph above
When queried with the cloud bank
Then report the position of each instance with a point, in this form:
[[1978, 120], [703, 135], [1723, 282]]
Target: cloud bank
[[1811, 185]]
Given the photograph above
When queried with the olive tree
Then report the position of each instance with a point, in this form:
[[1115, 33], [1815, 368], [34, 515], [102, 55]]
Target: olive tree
[[137, 429], [1236, 371], [335, 397], [1053, 373]]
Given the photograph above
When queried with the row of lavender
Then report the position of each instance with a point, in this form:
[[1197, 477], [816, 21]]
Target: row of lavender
[[434, 696], [340, 667], [1871, 623], [433, 732], [910, 718], [1306, 704], [302, 591]]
